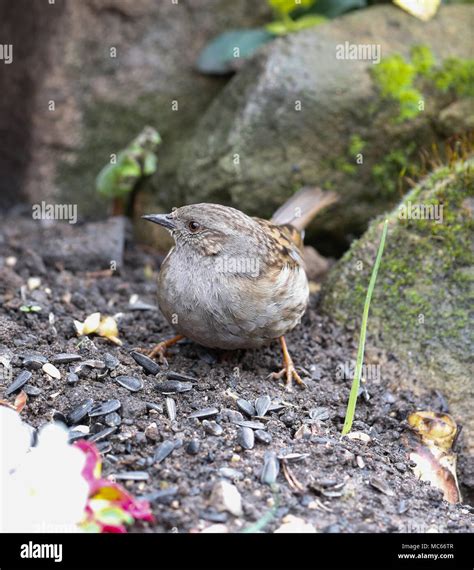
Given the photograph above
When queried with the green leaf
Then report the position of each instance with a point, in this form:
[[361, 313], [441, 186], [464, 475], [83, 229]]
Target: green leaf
[[351, 406], [280, 28], [286, 7], [223, 54]]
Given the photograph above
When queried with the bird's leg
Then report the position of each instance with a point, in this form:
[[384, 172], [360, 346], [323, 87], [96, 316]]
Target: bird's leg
[[289, 369], [159, 350]]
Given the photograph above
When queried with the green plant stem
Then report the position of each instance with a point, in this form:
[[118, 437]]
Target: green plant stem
[[351, 406]]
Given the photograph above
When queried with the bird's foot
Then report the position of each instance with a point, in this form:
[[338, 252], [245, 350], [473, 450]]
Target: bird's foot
[[159, 350], [288, 370]]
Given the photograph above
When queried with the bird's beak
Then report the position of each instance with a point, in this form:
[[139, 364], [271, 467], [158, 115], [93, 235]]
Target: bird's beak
[[164, 220]]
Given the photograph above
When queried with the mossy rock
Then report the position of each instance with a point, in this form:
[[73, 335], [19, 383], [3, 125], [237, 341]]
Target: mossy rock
[[423, 295]]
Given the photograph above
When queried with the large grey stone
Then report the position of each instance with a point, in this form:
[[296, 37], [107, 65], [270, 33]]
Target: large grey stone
[[254, 121]]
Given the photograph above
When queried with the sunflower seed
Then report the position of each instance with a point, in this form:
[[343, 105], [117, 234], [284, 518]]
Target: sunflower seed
[[212, 427], [232, 416], [263, 436], [74, 435], [103, 434], [246, 438], [19, 381], [276, 407], [130, 382], [31, 390], [80, 411], [173, 387], [162, 496], [262, 404], [113, 419], [293, 456], [104, 447], [110, 361], [271, 467], [65, 358], [51, 371], [171, 408], [99, 364], [149, 365], [246, 407], [204, 413], [132, 476], [381, 486], [177, 376], [105, 408], [163, 450], [251, 424], [34, 361]]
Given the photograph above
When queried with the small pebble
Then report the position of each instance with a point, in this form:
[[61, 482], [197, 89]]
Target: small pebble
[[130, 382], [148, 365], [226, 497], [193, 447], [72, 378], [212, 427], [51, 370]]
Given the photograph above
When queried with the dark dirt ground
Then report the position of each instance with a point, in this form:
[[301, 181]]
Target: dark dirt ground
[[345, 485]]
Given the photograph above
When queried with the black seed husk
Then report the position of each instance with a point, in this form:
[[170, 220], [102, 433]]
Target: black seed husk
[[271, 467], [163, 450], [246, 438], [105, 408], [65, 358], [204, 413], [19, 381], [173, 387], [246, 407], [262, 404], [130, 382], [148, 365], [80, 411]]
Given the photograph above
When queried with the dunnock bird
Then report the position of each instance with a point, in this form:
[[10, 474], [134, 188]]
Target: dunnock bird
[[232, 281]]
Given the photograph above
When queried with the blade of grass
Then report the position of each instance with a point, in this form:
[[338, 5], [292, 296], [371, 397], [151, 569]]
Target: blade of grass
[[351, 405]]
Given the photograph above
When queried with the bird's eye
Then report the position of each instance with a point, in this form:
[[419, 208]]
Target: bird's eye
[[194, 226]]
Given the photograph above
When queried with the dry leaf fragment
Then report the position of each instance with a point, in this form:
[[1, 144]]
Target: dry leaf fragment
[[431, 451]]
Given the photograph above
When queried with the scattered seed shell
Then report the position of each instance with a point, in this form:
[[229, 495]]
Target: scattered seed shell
[[105, 408], [148, 365], [80, 411], [130, 383], [212, 427], [31, 390], [204, 413], [173, 387], [51, 370], [19, 382], [263, 436], [163, 450], [246, 438], [262, 404], [132, 476], [65, 358], [171, 408], [251, 424], [103, 434], [246, 407], [271, 468]]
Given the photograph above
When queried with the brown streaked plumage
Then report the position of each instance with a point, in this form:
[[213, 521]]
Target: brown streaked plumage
[[232, 281]]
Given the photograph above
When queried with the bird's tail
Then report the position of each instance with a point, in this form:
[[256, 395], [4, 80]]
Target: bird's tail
[[301, 208]]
